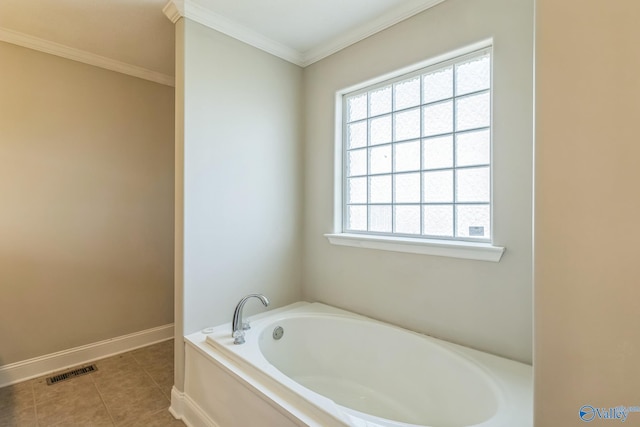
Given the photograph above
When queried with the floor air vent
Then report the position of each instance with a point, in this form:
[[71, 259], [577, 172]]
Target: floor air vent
[[71, 374]]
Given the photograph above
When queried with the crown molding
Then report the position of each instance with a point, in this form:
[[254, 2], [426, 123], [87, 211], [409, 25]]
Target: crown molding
[[176, 9], [46, 46], [407, 10]]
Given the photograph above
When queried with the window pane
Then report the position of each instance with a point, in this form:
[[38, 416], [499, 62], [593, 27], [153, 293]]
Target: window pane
[[380, 218], [357, 190], [357, 107], [417, 153], [357, 134], [407, 93], [407, 125], [438, 220], [473, 185], [473, 75], [380, 101], [357, 162], [407, 219], [438, 85], [473, 111], [357, 218], [407, 188], [473, 221], [380, 159], [380, 189], [438, 152], [437, 186], [473, 148], [407, 156], [380, 130], [437, 118]]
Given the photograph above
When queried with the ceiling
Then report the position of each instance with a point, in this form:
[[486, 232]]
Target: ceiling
[[138, 33]]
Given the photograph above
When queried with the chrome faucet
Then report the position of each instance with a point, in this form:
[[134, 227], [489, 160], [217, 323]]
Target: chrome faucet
[[238, 325]]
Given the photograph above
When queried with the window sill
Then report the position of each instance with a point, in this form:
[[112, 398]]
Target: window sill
[[446, 248]]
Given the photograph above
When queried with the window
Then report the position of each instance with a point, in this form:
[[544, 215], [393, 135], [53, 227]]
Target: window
[[416, 154]]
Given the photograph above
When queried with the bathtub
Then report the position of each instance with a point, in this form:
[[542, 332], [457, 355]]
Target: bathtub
[[330, 368]]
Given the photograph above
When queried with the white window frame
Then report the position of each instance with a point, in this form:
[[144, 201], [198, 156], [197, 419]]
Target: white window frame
[[456, 248]]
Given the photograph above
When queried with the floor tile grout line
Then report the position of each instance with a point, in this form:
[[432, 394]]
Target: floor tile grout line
[[113, 421], [119, 366], [158, 386], [149, 376], [35, 404], [151, 414], [56, 398]]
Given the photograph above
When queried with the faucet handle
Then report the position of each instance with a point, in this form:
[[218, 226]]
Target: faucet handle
[[246, 326], [238, 337]]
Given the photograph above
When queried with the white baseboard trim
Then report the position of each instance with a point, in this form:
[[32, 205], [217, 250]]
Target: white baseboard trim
[[39, 366], [185, 409], [177, 403]]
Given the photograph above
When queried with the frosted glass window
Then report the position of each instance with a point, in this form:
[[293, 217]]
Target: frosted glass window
[[438, 220], [407, 219], [473, 75], [380, 218], [438, 85], [357, 162], [417, 153], [380, 189], [357, 190], [357, 108], [473, 221], [438, 186], [380, 130], [438, 152], [437, 118], [407, 125], [357, 134], [407, 156], [473, 111], [380, 101], [407, 93], [473, 185], [357, 218], [380, 159], [407, 188], [473, 148]]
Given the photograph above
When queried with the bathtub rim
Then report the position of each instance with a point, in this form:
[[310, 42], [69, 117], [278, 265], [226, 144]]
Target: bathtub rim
[[298, 402]]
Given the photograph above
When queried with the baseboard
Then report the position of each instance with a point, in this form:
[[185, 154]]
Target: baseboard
[[39, 366], [185, 409], [177, 403]]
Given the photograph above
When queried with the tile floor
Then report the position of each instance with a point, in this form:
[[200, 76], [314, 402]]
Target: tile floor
[[130, 389]]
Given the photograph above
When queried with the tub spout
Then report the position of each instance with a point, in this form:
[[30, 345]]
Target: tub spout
[[238, 325]]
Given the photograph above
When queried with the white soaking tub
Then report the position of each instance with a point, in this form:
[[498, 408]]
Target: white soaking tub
[[335, 368]]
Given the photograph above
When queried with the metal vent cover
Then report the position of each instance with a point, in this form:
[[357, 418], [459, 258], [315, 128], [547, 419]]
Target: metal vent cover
[[71, 374]]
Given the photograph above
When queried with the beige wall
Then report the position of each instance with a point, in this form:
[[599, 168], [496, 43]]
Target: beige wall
[[86, 176], [479, 304], [240, 185], [587, 317]]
